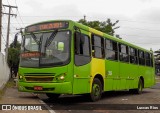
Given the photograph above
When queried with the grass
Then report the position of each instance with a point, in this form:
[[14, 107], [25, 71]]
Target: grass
[[10, 83], [1, 93]]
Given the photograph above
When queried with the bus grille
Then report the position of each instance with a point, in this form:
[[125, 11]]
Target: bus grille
[[39, 77]]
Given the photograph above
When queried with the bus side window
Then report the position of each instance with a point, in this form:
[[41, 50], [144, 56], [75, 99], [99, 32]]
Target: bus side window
[[141, 57], [111, 50], [82, 49], [147, 59], [97, 46], [123, 53], [133, 56]]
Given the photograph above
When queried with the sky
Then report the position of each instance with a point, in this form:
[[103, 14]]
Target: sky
[[139, 20]]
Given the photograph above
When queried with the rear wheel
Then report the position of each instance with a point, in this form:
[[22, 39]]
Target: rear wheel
[[139, 89], [52, 95], [96, 92]]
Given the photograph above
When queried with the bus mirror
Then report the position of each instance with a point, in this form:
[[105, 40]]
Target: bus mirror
[[60, 46], [15, 40]]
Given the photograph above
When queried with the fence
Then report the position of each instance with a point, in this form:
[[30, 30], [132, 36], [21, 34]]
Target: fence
[[4, 71]]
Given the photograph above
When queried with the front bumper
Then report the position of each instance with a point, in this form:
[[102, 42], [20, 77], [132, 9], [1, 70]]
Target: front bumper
[[59, 88]]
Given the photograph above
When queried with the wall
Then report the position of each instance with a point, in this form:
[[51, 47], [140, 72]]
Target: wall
[[4, 71]]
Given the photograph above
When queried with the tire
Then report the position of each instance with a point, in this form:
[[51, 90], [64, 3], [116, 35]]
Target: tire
[[139, 89], [96, 91], [52, 95]]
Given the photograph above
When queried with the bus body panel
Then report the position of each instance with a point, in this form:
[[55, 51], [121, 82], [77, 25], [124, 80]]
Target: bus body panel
[[132, 77], [112, 75], [81, 79], [97, 68]]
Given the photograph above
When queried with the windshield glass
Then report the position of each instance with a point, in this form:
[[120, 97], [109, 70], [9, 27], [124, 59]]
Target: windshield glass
[[38, 51]]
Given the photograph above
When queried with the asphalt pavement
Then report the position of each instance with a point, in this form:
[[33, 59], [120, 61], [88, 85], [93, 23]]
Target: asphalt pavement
[[21, 100]]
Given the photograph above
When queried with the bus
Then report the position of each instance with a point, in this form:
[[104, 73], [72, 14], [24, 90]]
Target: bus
[[65, 57]]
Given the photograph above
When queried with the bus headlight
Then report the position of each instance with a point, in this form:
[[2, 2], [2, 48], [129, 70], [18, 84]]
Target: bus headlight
[[61, 77], [20, 77]]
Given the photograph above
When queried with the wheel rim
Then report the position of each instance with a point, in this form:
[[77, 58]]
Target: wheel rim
[[96, 90]]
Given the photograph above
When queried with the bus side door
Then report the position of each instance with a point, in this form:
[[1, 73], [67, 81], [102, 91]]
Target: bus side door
[[82, 66]]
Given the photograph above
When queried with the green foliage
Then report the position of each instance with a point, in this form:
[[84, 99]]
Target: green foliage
[[13, 54], [157, 57], [104, 26]]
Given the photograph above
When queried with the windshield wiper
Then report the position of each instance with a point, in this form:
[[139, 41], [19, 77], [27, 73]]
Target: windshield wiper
[[35, 38], [50, 39]]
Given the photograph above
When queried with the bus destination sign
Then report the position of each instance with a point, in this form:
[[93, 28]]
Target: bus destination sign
[[47, 26]]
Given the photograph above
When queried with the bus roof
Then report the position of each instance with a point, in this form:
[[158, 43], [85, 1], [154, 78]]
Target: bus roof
[[86, 28], [109, 36]]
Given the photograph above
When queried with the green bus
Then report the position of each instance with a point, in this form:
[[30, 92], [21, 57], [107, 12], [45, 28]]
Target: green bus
[[66, 57]]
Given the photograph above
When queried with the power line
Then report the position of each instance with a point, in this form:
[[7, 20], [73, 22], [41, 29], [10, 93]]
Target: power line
[[16, 18], [3, 38], [8, 2], [12, 11], [5, 28], [121, 26], [19, 14], [140, 28], [6, 19], [125, 20], [146, 43], [139, 36]]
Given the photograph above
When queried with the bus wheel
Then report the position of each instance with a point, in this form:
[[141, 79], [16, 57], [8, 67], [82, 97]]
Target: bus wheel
[[52, 95], [140, 87], [96, 92]]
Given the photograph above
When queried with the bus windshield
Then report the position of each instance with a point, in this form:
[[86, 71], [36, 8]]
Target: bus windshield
[[45, 50]]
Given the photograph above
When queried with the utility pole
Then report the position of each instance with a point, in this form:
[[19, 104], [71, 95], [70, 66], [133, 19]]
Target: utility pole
[[0, 24], [8, 28]]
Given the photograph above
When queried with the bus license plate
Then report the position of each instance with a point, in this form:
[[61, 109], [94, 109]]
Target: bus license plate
[[38, 88]]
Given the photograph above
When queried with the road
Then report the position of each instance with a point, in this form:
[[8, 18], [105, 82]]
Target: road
[[123, 101]]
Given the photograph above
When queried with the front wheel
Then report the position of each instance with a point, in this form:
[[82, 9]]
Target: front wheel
[[96, 92]]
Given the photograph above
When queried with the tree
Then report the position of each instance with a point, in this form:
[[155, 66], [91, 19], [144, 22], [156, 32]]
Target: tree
[[104, 26], [157, 61], [13, 57], [157, 57]]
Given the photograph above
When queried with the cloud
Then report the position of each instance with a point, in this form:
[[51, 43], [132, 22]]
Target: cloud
[[151, 14]]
